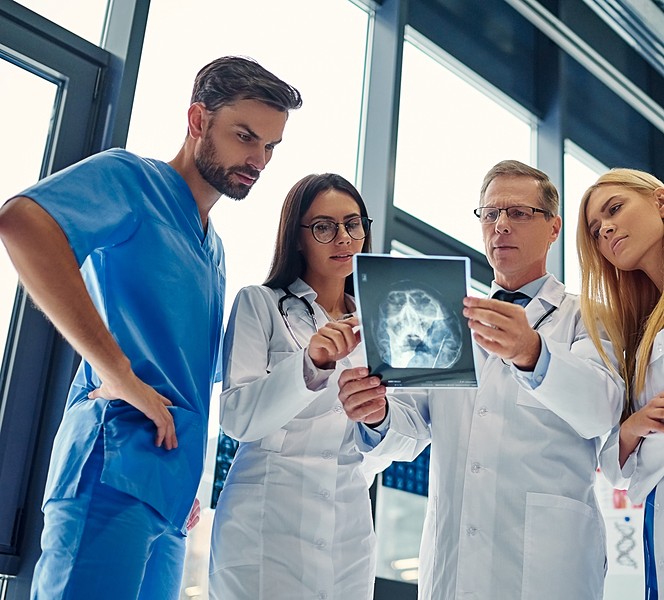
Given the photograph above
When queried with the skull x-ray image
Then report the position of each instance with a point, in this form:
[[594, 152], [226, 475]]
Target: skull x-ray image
[[411, 318], [415, 329]]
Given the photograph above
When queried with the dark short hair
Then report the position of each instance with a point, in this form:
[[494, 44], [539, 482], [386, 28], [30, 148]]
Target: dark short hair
[[229, 79], [287, 262]]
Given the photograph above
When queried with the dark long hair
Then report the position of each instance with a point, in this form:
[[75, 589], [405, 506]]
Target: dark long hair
[[288, 263]]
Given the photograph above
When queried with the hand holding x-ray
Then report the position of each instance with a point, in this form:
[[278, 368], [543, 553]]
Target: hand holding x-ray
[[503, 329], [362, 396]]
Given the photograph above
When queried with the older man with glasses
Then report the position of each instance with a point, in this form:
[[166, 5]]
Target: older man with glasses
[[512, 511]]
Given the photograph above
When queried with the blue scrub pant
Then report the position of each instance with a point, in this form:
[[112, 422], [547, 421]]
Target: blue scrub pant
[[107, 545]]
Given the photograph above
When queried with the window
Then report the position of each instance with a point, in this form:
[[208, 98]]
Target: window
[[83, 17], [29, 137], [581, 171], [452, 129]]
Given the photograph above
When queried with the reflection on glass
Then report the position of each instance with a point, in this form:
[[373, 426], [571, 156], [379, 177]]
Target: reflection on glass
[[83, 17], [581, 171], [22, 151], [450, 134]]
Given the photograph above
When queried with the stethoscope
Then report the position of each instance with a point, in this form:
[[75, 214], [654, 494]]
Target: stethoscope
[[284, 313], [544, 316]]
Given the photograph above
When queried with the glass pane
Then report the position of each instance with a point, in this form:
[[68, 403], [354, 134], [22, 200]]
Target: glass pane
[[320, 137], [85, 18], [581, 171], [31, 95], [450, 134], [399, 521]]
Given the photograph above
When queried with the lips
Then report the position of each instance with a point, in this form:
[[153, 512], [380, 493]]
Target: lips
[[615, 241], [247, 177]]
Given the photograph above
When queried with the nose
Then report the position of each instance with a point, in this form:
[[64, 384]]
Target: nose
[[258, 159], [502, 222], [606, 230], [342, 235]]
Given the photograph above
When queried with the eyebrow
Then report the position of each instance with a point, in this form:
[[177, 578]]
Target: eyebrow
[[602, 209], [254, 135], [330, 218]]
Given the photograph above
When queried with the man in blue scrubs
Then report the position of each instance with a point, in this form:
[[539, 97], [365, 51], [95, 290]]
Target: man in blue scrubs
[[118, 252]]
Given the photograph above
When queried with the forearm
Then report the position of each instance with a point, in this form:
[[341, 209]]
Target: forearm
[[48, 270], [579, 388], [628, 442], [260, 404]]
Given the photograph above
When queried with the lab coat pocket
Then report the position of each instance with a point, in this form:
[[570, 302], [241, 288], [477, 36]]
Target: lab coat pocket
[[236, 535], [523, 398], [274, 441], [564, 549], [274, 358]]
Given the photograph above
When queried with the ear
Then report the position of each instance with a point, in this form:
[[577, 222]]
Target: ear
[[556, 225], [659, 196], [197, 120]]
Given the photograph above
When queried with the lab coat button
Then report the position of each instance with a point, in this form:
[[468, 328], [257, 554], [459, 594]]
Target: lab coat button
[[471, 530], [476, 467], [322, 595], [482, 412], [327, 455], [320, 544], [338, 408], [325, 494], [656, 505]]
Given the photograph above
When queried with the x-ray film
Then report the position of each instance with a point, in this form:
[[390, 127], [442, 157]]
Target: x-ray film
[[412, 324]]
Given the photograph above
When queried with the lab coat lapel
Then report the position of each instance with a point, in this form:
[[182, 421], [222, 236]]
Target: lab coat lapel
[[551, 294]]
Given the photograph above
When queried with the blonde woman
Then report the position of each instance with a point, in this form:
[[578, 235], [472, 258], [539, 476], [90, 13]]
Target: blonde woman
[[621, 249]]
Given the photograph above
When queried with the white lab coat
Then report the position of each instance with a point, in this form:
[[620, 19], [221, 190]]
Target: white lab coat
[[294, 517], [512, 512], [644, 469]]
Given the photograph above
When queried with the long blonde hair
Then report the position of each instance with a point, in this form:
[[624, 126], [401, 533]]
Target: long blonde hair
[[626, 304]]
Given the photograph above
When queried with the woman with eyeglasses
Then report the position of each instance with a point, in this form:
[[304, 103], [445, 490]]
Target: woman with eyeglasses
[[294, 517], [620, 240]]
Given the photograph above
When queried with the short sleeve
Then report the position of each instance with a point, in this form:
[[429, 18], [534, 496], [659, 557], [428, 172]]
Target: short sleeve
[[96, 202]]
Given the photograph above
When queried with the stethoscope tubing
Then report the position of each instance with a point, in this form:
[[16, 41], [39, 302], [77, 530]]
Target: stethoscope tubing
[[284, 313]]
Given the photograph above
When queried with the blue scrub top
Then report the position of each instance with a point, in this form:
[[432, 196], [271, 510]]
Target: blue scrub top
[[158, 280]]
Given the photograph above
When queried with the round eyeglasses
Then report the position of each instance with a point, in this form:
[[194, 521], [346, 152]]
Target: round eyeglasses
[[517, 214], [326, 231]]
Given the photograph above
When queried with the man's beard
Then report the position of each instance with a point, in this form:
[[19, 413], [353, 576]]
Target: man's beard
[[218, 176]]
